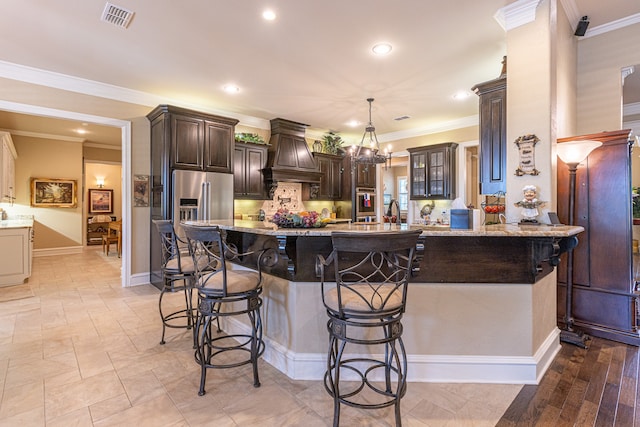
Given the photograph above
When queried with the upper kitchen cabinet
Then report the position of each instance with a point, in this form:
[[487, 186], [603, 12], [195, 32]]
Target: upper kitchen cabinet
[[248, 177], [493, 133], [193, 140], [331, 177], [7, 159], [433, 171], [365, 176]]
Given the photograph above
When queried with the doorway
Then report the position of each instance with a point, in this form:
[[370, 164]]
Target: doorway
[[125, 130]]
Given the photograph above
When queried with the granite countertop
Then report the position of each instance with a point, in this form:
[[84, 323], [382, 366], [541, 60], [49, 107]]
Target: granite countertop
[[495, 230], [16, 223]]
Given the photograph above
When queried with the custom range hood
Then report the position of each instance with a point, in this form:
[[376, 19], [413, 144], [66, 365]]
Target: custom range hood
[[289, 159]]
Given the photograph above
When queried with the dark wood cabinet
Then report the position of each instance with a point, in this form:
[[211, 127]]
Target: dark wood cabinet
[[201, 144], [332, 173], [493, 135], [604, 294], [249, 161], [433, 171], [365, 176], [182, 139]]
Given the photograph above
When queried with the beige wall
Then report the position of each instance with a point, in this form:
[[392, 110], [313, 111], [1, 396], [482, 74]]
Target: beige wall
[[112, 175], [600, 60], [43, 158]]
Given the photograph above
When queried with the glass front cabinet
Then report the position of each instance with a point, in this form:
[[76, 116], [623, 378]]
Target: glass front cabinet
[[433, 171]]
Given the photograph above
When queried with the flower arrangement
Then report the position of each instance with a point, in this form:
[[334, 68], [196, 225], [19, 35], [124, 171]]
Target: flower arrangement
[[285, 219]]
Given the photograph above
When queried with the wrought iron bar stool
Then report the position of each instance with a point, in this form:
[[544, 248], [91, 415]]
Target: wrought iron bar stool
[[365, 307], [178, 273], [222, 293]]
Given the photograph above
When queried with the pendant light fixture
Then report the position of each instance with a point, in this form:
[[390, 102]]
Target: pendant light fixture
[[368, 152]]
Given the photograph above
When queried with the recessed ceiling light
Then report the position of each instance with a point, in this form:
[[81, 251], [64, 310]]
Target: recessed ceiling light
[[231, 88], [381, 48], [268, 15], [353, 123], [81, 131], [463, 94]]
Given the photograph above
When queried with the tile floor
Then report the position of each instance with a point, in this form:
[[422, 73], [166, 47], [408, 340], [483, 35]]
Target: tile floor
[[83, 351]]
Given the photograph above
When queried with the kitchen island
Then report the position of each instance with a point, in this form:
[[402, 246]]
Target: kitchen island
[[481, 305]]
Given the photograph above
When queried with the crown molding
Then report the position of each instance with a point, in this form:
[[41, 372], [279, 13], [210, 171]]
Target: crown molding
[[102, 146], [572, 12], [103, 90], [631, 109], [42, 135], [612, 26], [516, 14]]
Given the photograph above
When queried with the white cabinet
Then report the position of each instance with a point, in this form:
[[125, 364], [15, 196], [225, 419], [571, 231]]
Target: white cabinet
[[7, 160], [15, 253]]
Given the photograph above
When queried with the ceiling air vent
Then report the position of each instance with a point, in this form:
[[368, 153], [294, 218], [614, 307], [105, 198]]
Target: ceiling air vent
[[402, 118], [116, 15]]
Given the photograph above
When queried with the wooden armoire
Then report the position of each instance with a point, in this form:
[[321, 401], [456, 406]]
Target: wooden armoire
[[604, 291]]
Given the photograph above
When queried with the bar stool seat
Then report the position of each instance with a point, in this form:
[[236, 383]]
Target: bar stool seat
[[365, 297], [223, 293]]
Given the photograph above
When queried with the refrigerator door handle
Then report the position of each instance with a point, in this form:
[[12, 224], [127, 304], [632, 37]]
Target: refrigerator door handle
[[207, 201], [202, 206]]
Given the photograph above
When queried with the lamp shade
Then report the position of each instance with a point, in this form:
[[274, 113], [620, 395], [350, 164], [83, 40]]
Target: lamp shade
[[576, 151]]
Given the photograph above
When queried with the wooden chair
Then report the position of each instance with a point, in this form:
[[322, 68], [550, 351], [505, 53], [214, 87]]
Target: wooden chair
[[112, 236]]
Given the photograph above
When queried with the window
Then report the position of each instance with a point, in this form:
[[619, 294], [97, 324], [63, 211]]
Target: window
[[403, 193]]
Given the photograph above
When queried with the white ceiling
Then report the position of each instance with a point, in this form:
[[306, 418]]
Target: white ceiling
[[313, 64]]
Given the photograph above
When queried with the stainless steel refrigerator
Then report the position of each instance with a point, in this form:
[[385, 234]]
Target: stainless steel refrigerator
[[201, 196]]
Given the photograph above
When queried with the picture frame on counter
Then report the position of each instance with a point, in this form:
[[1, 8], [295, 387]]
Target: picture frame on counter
[[100, 201], [54, 193], [141, 190]]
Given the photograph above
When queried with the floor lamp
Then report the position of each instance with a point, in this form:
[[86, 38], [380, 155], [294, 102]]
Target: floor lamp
[[572, 153]]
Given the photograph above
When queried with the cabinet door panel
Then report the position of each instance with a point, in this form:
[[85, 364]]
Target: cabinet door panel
[[493, 134], [217, 150], [187, 137], [239, 171], [255, 180]]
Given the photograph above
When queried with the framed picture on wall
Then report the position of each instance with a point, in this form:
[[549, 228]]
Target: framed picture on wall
[[141, 190], [100, 201], [53, 193]]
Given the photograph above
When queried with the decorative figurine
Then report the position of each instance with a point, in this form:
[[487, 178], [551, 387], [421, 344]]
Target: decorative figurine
[[529, 205]]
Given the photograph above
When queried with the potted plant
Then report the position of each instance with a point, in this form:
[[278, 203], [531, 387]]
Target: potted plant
[[252, 138], [332, 143], [635, 203]]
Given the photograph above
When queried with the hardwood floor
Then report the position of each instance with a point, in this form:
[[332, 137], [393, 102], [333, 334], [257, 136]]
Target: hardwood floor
[[597, 386]]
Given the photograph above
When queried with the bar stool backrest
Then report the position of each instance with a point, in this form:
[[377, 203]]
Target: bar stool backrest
[[208, 250], [371, 273], [174, 259]]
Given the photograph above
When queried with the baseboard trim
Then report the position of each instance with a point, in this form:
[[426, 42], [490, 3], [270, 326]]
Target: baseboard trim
[[424, 368], [69, 250]]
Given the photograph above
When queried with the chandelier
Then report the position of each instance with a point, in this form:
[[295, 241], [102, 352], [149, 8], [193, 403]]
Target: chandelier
[[368, 152]]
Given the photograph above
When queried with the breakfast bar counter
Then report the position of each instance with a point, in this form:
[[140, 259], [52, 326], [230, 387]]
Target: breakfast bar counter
[[506, 253], [481, 304]]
